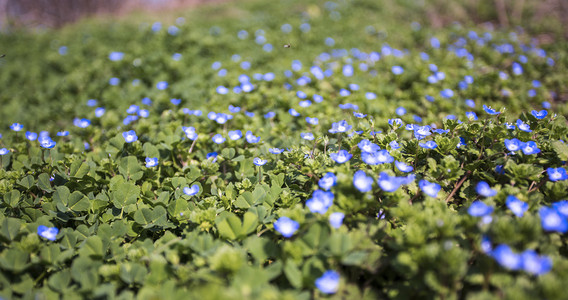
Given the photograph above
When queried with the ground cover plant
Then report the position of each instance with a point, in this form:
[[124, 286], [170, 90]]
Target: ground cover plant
[[345, 152]]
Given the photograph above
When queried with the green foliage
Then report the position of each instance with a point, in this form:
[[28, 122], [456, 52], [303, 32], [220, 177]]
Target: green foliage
[[130, 231]]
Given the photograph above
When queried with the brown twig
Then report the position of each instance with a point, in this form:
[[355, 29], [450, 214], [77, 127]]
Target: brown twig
[[458, 186]]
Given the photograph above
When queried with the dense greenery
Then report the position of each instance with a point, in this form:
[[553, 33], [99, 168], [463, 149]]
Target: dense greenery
[[87, 212]]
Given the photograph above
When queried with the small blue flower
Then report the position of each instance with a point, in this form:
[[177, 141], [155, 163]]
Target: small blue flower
[[175, 101], [328, 283], [341, 126], [471, 115], [4, 151], [307, 136], [190, 132], [17, 127], [556, 174], [447, 93], [388, 183], [336, 219], [269, 115], [130, 136], [341, 156], [562, 207], [506, 257], [523, 126], [552, 220], [191, 191], [395, 123], [81, 123], [429, 188], [92, 102], [320, 201], [362, 182], [485, 190], [251, 139], [422, 130], [397, 70], [479, 209], [286, 226], [368, 146], [394, 145], [517, 206], [293, 112], [151, 162], [428, 145], [114, 81], [218, 139], [400, 111], [535, 264], [359, 115], [162, 85], [500, 169], [49, 233], [312, 121], [305, 103], [99, 112], [403, 167], [490, 110], [539, 114], [513, 144], [275, 150], [259, 162], [510, 126], [486, 246], [529, 148], [47, 143], [116, 56], [144, 113], [378, 157], [32, 136], [470, 103], [235, 135], [327, 181], [212, 155]]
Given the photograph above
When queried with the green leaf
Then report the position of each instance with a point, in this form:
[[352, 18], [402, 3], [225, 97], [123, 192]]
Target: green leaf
[[250, 222], [124, 194], [339, 244], [12, 198], [10, 228], [317, 235], [14, 260], [75, 202], [245, 200], [130, 168], [228, 153], [44, 183], [50, 254], [132, 273], [27, 182], [147, 216], [293, 274], [229, 225], [561, 150], [92, 247], [150, 150], [60, 281]]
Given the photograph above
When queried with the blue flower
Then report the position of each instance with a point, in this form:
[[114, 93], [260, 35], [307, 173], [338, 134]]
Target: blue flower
[[561, 207], [395, 122], [49, 233], [388, 183], [218, 139], [251, 139], [212, 155], [368, 146], [17, 127], [191, 191], [47, 143], [81, 123], [517, 206], [428, 145], [144, 113], [362, 182], [146, 101], [341, 156], [99, 112], [422, 130], [370, 96], [234, 109], [486, 246], [307, 136], [470, 103], [556, 174], [479, 209], [162, 85], [320, 202], [539, 114], [32, 136], [151, 162], [359, 115], [336, 219], [175, 101], [429, 188], [259, 162], [485, 190], [397, 70], [530, 147], [114, 81], [510, 126], [312, 121], [116, 56], [513, 144], [269, 115], [517, 68], [4, 151], [190, 132], [490, 110], [401, 111], [506, 257], [328, 283], [91, 102], [286, 226], [394, 145], [403, 167], [523, 126], [447, 93], [275, 150], [341, 126], [235, 135], [535, 264], [471, 115], [305, 103], [293, 112], [327, 181], [130, 136], [500, 169], [552, 220]]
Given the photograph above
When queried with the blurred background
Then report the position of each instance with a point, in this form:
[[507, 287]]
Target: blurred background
[[546, 19]]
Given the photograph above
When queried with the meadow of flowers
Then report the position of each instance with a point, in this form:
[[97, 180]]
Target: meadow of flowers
[[323, 155]]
